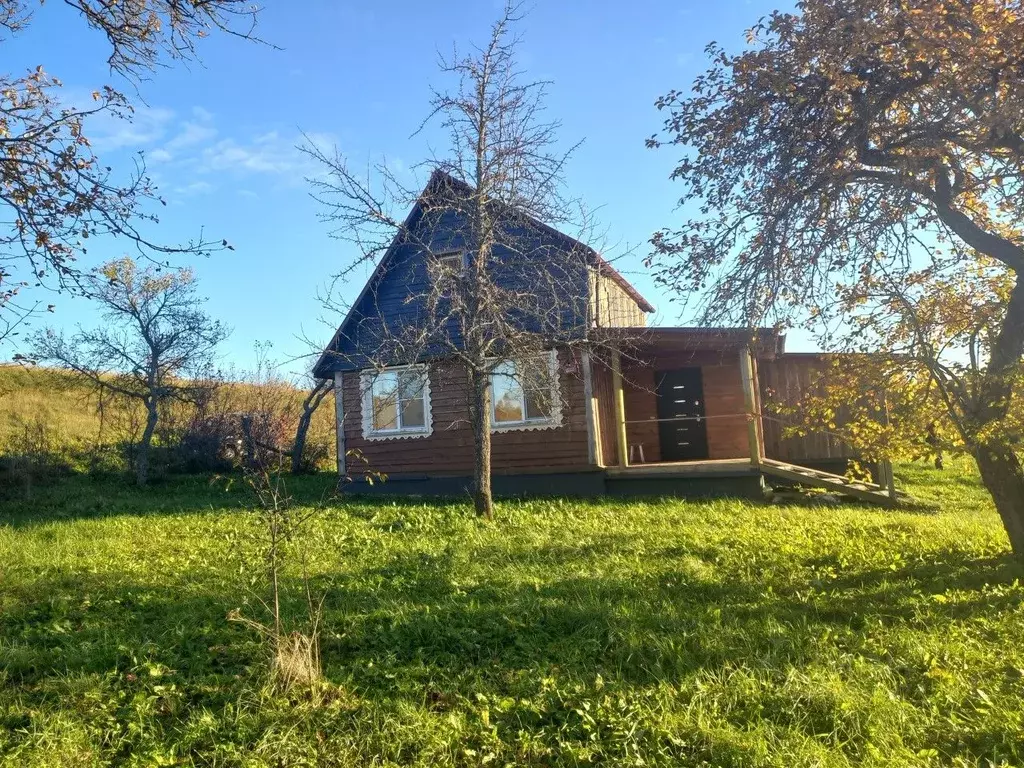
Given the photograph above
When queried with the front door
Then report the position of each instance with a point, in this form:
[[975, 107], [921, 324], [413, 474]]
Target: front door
[[682, 429]]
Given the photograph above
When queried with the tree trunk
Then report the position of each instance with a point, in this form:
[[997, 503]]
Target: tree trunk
[[142, 458], [480, 411], [998, 463], [299, 446], [1003, 476], [309, 406]]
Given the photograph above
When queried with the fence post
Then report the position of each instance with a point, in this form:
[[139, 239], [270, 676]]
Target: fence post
[[339, 421], [593, 447]]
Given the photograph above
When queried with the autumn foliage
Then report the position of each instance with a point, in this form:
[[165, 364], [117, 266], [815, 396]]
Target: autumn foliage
[[857, 170]]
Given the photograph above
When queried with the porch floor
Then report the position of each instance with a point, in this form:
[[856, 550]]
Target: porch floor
[[731, 467], [710, 468]]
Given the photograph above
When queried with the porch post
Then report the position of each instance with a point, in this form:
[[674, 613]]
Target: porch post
[[748, 372], [588, 400], [339, 420], [620, 409], [886, 478]]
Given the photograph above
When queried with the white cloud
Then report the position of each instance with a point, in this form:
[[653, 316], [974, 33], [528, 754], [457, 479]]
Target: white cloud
[[187, 146], [147, 126], [159, 156], [190, 135], [195, 188], [267, 153]]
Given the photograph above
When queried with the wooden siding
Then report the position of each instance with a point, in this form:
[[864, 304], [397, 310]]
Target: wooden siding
[[393, 303], [786, 380], [611, 306], [449, 449]]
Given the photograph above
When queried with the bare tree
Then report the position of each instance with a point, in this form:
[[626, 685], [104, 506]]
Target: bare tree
[[156, 347], [315, 395], [55, 193], [502, 285]]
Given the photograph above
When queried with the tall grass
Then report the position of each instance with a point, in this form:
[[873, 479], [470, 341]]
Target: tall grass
[[81, 424], [718, 633]]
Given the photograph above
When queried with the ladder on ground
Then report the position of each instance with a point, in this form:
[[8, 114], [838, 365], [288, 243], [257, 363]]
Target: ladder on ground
[[864, 491]]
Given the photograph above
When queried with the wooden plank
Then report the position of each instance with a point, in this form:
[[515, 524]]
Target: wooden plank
[[821, 480], [731, 467], [593, 449], [750, 404], [620, 409]]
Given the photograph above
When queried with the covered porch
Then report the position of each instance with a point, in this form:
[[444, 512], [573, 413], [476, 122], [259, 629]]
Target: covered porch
[[685, 404]]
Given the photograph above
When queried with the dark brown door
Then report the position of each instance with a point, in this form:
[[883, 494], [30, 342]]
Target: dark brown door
[[682, 429]]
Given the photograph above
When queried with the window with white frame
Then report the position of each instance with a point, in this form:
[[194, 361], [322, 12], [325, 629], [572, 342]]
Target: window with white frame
[[451, 264], [524, 394], [396, 402]]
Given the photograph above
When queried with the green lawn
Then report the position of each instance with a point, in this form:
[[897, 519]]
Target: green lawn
[[659, 633]]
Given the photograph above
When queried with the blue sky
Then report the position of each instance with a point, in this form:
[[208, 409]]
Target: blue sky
[[219, 136]]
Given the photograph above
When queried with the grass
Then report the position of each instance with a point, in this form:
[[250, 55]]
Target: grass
[[64, 404], [65, 412], [720, 633]]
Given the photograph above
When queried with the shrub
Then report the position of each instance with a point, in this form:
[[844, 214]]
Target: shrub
[[32, 457]]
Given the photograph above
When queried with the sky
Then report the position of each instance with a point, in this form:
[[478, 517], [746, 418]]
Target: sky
[[219, 135]]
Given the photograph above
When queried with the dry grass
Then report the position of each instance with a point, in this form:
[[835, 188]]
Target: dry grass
[[74, 419]]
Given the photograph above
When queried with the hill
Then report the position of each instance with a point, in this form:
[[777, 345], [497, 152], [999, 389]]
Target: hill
[[68, 415]]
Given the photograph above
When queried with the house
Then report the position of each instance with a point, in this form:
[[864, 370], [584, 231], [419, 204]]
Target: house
[[637, 410]]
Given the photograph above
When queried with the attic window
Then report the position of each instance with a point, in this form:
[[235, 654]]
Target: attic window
[[450, 264]]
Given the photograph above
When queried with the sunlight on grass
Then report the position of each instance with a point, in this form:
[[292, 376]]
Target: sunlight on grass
[[719, 633]]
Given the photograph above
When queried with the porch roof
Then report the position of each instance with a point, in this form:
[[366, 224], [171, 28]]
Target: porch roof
[[764, 342]]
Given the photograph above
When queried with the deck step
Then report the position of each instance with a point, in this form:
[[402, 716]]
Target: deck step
[[805, 475]]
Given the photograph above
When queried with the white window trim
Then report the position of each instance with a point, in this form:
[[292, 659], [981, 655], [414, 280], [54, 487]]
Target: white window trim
[[552, 422], [437, 260], [366, 379]]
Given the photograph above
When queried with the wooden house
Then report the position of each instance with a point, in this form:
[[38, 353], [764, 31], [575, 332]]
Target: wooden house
[[640, 411]]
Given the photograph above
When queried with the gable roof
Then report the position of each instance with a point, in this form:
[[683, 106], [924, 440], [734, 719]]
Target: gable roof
[[439, 179]]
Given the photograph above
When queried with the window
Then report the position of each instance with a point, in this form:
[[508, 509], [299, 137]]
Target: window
[[524, 395], [396, 403], [449, 265]]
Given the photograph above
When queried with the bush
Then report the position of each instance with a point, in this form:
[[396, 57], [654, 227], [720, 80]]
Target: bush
[[32, 457], [316, 456]]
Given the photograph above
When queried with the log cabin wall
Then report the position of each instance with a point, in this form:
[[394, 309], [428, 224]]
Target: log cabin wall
[[785, 381], [611, 306], [448, 450]]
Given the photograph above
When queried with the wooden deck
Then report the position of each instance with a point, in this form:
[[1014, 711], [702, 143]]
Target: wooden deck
[[864, 491], [683, 468]]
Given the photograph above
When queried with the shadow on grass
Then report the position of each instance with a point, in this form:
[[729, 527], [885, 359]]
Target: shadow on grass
[[414, 611], [82, 497], [417, 630], [641, 631]]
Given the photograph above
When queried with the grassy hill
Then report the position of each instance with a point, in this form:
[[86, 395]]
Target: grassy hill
[[60, 401], [660, 633], [73, 418]]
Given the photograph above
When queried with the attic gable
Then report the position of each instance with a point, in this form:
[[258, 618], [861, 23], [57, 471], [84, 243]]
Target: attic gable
[[436, 225]]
